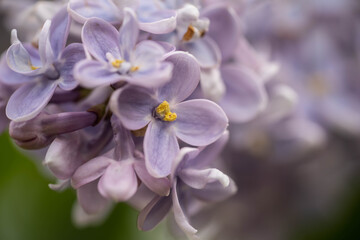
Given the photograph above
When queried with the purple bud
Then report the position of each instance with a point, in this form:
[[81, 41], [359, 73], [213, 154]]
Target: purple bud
[[39, 132]]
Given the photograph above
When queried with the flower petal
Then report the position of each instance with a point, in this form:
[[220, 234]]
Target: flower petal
[[224, 28], [129, 33], [185, 78], [154, 213], [28, 100], [69, 57], [158, 76], [59, 31], [180, 217], [81, 11], [91, 200], [215, 192], [157, 22], [124, 144], [199, 122], [119, 181], [10, 77], [205, 51], [62, 157], [199, 178], [18, 59], [208, 154], [90, 171], [245, 95], [92, 74], [99, 38], [147, 54], [133, 106], [160, 148], [160, 186]]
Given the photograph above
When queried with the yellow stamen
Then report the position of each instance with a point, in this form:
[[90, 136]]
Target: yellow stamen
[[170, 117], [33, 67], [117, 63], [189, 34], [134, 69], [163, 111]]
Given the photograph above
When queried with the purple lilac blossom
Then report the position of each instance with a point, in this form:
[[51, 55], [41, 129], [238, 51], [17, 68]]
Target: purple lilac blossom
[[207, 184], [168, 117], [43, 70], [119, 58]]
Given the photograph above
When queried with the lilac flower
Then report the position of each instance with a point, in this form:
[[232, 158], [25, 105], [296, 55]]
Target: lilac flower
[[239, 90], [153, 15], [43, 70], [118, 172], [167, 117], [69, 151], [118, 58], [190, 176]]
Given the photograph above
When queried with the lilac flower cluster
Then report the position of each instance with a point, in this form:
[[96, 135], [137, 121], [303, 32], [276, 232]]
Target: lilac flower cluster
[[132, 100]]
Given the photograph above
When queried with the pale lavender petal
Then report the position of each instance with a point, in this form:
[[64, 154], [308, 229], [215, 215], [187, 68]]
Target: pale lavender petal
[[90, 171], [133, 106], [199, 178], [92, 74], [119, 181], [152, 78], [62, 156], [154, 213], [91, 200], [10, 77], [28, 100], [180, 217], [209, 153], [185, 155], [82, 10], [69, 57], [186, 77], [59, 31], [160, 148], [245, 95], [99, 38], [215, 192], [158, 22], [129, 33], [147, 54], [224, 28], [45, 50], [199, 122], [18, 59], [124, 144], [160, 186], [205, 50]]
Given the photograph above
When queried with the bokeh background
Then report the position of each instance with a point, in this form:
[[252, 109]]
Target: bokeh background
[[269, 200]]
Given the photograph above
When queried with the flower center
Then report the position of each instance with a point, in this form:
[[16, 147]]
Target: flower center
[[163, 112], [117, 63], [33, 67]]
